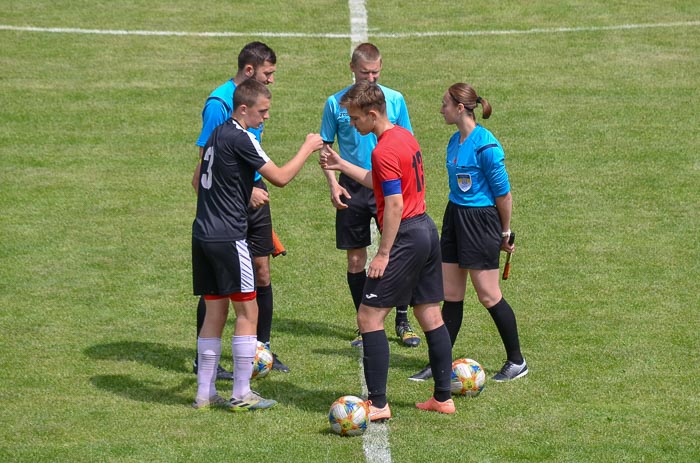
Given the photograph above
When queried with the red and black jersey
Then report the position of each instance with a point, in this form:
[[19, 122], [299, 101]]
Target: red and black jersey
[[231, 157], [397, 168]]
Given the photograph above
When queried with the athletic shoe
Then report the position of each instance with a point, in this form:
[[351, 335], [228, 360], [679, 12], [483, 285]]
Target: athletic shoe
[[221, 372], [379, 414], [278, 365], [407, 335], [433, 405], [213, 401], [357, 342], [425, 374], [510, 371], [251, 401]]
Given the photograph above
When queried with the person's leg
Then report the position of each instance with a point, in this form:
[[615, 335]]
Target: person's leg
[[221, 372], [356, 276], [486, 284], [263, 287], [454, 283], [243, 345], [209, 348], [440, 355], [403, 328], [375, 359], [261, 243], [357, 258]]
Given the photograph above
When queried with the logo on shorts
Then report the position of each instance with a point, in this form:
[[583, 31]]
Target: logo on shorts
[[370, 296], [464, 181]]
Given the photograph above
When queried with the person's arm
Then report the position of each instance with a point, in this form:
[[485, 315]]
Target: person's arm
[[281, 176], [504, 205], [334, 187], [330, 160], [393, 210]]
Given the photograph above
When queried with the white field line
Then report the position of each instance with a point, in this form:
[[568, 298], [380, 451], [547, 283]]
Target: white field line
[[375, 441], [358, 23], [357, 36]]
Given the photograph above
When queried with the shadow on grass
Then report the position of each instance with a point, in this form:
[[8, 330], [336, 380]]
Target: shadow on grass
[[314, 329], [146, 391], [156, 354], [407, 361]]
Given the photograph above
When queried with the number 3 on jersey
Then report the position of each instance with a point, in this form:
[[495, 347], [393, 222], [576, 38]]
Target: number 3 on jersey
[[208, 160], [418, 167]]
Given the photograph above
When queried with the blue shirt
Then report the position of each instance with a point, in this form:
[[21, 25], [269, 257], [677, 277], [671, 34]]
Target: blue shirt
[[476, 170], [217, 110], [354, 147]]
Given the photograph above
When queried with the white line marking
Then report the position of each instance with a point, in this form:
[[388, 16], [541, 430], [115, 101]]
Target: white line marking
[[556, 30], [358, 23], [375, 440]]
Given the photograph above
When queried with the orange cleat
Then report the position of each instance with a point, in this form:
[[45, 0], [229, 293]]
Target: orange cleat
[[379, 414], [431, 404]]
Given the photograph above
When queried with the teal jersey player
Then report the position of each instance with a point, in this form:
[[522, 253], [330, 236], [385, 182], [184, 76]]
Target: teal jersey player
[[354, 147], [217, 110]]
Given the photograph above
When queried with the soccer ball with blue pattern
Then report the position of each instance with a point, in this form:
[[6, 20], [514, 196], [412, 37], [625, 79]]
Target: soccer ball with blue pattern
[[349, 416], [262, 364], [468, 377]]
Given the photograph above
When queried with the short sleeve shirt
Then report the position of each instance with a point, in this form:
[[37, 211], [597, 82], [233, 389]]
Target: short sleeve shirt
[[476, 169], [217, 110], [231, 157], [354, 147], [397, 156]]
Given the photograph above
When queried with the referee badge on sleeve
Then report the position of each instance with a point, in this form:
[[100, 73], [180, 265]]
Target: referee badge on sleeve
[[464, 181]]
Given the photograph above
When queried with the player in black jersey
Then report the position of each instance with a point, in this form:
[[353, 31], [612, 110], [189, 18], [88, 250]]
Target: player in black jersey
[[221, 262]]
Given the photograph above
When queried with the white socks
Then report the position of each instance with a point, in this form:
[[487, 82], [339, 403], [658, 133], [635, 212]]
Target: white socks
[[209, 353], [243, 356]]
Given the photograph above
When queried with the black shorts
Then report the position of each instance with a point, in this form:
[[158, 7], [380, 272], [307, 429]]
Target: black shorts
[[220, 269], [471, 237], [414, 273], [260, 228], [353, 225]]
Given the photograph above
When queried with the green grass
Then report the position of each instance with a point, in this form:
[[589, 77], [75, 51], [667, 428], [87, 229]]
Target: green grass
[[97, 149]]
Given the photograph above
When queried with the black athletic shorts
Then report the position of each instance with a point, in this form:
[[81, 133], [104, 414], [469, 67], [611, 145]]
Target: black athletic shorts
[[414, 273], [220, 269], [353, 225], [471, 237], [260, 228]]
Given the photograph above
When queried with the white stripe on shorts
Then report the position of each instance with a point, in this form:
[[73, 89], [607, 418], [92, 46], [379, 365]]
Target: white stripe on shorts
[[246, 265]]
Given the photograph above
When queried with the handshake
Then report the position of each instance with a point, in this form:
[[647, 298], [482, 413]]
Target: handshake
[[329, 159]]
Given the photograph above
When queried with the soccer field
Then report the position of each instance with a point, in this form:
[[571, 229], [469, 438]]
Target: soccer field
[[596, 104]]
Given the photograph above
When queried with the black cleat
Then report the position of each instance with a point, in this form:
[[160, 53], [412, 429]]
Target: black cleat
[[408, 337], [424, 374], [221, 372], [510, 371], [277, 365]]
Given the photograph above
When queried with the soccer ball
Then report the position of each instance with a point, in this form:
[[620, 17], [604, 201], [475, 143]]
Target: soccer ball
[[468, 377], [262, 364], [349, 416]]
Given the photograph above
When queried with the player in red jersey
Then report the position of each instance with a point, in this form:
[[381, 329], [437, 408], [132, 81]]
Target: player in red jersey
[[407, 267]]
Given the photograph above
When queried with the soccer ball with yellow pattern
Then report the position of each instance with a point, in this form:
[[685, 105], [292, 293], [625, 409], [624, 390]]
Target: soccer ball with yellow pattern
[[262, 364], [468, 377], [349, 416]]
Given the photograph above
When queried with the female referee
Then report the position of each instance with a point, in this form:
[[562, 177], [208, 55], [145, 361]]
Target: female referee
[[476, 225]]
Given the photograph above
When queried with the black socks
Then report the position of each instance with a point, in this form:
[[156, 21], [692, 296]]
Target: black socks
[[504, 317]]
